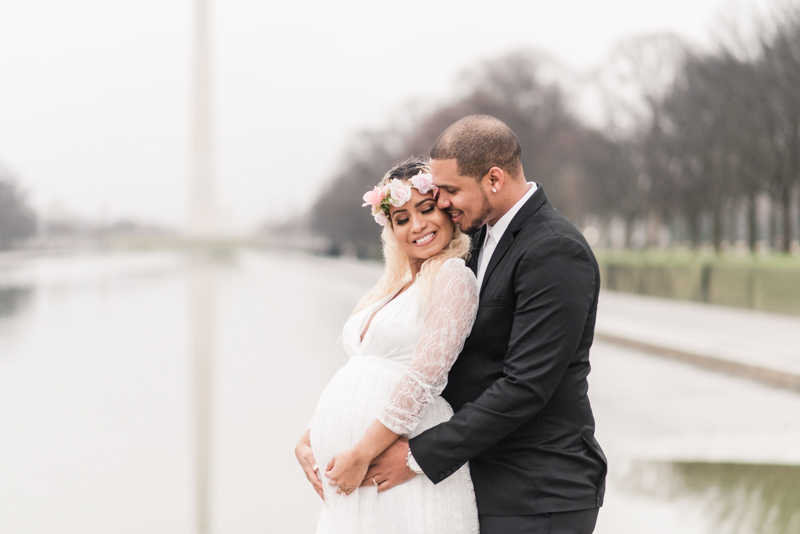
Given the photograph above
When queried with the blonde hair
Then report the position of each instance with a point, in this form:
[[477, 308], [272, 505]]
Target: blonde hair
[[398, 272]]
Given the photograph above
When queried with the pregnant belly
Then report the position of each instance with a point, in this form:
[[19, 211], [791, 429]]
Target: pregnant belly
[[353, 400]]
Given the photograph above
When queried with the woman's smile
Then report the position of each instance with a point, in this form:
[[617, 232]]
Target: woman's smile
[[425, 239]]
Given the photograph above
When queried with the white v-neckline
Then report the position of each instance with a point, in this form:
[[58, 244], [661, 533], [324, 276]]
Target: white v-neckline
[[362, 334]]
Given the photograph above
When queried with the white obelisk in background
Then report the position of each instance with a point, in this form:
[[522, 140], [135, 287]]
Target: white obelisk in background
[[202, 227], [202, 216]]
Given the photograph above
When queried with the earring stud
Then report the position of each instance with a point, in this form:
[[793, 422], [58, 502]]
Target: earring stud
[[494, 190]]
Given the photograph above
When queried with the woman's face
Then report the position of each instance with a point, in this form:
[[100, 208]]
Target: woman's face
[[421, 227]]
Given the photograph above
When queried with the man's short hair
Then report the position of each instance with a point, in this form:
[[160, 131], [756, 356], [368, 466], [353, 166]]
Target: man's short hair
[[478, 143]]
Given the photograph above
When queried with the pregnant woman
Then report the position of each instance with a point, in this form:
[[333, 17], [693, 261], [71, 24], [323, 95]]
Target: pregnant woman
[[402, 339]]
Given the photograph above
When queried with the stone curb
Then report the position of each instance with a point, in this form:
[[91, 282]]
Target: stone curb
[[762, 375]]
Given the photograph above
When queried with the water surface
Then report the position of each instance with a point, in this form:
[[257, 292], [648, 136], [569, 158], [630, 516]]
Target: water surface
[[164, 392]]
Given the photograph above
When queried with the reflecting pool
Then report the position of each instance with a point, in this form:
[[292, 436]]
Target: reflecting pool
[[733, 497], [163, 392]]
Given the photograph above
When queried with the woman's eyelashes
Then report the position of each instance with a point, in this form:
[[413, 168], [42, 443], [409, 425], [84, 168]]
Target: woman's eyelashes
[[428, 208]]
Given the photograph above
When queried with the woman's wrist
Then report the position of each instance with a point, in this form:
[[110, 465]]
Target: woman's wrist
[[363, 453], [305, 441]]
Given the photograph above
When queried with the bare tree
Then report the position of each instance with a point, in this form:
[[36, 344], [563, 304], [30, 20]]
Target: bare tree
[[611, 180], [17, 219], [779, 68], [337, 213], [635, 81]]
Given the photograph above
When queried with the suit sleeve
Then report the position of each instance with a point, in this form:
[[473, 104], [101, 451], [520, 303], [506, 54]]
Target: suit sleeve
[[554, 287]]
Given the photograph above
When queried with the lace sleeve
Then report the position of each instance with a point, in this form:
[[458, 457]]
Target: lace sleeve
[[447, 323]]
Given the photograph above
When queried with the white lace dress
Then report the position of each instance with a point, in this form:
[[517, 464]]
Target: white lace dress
[[396, 375]]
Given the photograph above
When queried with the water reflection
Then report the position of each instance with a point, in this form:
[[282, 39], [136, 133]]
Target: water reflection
[[204, 265], [740, 498], [12, 299], [202, 348]]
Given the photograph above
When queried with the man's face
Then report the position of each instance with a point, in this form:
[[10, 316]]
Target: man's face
[[462, 197]]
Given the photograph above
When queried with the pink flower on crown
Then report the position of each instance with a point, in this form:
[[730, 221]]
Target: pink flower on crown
[[423, 183], [400, 193], [373, 198], [381, 218]]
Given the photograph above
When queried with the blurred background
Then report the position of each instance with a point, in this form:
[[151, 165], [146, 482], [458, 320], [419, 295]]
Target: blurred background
[[181, 240]]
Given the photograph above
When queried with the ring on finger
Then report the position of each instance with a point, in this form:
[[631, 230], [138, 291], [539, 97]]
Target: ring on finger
[[374, 481]]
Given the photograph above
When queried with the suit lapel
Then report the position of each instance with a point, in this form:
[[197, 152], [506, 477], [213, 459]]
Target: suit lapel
[[475, 249], [529, 208]]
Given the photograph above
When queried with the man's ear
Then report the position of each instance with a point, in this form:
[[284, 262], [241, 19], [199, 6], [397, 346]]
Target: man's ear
[[495, 179]]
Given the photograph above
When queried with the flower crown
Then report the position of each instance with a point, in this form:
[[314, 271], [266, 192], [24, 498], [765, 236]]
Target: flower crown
[[396, 193]]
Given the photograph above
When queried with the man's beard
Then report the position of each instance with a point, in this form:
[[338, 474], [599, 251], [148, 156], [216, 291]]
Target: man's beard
[[480, 220]]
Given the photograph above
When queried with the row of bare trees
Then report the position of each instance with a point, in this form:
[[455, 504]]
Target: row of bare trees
[[723, 133], [17, 219], [690, 142], [516, 90]]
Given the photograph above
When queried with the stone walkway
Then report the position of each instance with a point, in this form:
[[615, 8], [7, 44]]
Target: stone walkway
[[761, 346]]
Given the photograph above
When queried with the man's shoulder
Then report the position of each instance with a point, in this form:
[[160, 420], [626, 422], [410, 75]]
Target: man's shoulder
[[549, 235], [548, 223]]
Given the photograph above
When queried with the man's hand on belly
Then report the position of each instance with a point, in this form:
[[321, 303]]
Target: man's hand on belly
[[389, 469]]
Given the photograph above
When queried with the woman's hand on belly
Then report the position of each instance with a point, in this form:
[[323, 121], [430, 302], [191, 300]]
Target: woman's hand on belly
[[305, 456], [347, 470]]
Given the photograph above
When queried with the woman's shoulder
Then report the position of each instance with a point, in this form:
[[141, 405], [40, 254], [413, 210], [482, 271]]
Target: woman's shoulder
[[454, 265], [455, 269]]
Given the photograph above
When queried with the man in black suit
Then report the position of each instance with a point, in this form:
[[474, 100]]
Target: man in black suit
[[523, 419]]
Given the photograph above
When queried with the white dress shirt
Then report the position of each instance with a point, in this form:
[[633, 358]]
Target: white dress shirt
[[495, 233]]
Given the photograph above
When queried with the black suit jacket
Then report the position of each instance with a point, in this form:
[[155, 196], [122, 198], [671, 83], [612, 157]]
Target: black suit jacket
[[519, 388]]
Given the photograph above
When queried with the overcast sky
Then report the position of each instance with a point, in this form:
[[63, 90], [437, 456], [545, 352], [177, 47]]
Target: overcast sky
[[95, 94]]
